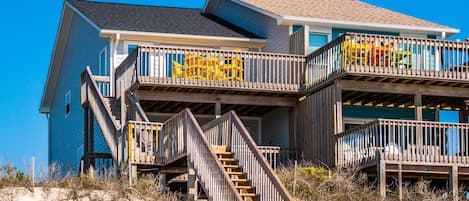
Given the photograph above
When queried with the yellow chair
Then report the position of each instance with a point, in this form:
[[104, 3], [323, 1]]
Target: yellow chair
[[233, 68], [355, 52]]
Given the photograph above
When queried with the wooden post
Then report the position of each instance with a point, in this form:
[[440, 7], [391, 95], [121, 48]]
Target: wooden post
[[192, 188], [162, 181], [306, 40], [85, 139], [82, 167], [400, 181], [32, 173], [418, 117], [418, 107], [218, 109], [294, 178], [382, 178], [292, 140], [91, 138], [453, 182]]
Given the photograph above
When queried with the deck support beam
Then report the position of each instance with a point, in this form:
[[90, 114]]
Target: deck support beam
[[453, 182], [293, 124], [400, 181], [88, 138], [418, 107], [217, 109], [192, 188], [426, 90], [382, 178], [214, 98]]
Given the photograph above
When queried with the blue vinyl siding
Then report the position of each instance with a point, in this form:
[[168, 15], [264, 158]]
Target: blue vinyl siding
[[337, 32], [257, 23], [66, 134], [384, 113]]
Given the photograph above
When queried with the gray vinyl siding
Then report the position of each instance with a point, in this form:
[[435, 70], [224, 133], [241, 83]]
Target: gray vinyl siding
[[66, 133], [257, 23]]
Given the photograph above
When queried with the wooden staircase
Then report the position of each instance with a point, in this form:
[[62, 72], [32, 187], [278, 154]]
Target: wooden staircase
[[115, 107], [236, 174]]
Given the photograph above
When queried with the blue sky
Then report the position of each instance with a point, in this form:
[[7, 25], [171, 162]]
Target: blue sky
[[28, 32]]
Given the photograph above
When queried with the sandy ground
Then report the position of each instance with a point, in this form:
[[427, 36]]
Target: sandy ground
[[51, 194]]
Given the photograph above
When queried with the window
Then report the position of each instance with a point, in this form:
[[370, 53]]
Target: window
[[131, 48], [103, 70], [317, 40], [68, 103], [295, 28]]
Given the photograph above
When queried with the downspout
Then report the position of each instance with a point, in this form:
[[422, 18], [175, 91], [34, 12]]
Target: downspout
[[113, 53]]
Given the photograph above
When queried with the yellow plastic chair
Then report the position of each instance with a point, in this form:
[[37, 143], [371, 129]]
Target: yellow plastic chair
[[233, 68], [355, 52]]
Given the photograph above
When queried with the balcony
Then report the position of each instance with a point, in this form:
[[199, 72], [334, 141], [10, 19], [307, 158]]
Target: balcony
[[201, 69], [405, 142], [381, 58]]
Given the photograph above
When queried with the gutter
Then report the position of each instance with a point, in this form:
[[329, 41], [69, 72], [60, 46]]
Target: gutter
[[327, 22]]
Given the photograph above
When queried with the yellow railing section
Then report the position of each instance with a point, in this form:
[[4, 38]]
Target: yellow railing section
[[130, 141]]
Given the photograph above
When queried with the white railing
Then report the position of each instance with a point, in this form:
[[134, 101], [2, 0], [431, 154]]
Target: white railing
[[228, 130], [404, 140], [212, 68], [390, 56]]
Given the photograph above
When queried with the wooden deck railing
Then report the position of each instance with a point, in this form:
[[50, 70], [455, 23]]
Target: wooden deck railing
[[277, 156], [102, 164], [142, 142], [419, 142], [211, 68], [390, 56], [229, 131], [91, 97]]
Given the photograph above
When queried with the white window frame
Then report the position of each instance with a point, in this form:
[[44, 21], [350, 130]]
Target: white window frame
[[105, 68], [320, 31], [68, 97]]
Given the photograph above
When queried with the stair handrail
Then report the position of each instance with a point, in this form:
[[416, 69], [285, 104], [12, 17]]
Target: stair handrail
[[92, 97], [255, 165], [211, 173], [138, 107]]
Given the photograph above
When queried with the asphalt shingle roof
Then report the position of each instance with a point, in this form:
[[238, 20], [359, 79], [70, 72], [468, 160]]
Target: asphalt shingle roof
[[343, 10], [172, 20]]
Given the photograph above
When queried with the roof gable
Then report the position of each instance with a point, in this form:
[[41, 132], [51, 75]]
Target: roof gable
[[114, 16]]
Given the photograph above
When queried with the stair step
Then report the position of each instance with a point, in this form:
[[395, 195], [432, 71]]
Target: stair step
[[235, 173], [240, 180], [244, 187], [232, 166], [248, 195], [228, 160]]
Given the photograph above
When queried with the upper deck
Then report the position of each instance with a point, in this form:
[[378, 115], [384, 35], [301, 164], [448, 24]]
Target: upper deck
[[362, 57], [380, 58], [169, 68]]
